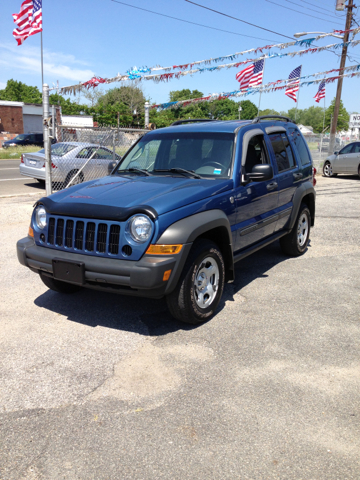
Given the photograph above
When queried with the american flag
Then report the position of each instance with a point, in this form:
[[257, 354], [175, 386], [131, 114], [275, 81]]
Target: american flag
[[251, 75], [321, 92], [28, 20], [293, 83]]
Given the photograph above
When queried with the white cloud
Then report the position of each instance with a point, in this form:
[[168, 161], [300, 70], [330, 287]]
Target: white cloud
[[56, 65]]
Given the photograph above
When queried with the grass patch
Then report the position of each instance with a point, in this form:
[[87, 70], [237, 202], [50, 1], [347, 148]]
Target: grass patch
[[15, 152]]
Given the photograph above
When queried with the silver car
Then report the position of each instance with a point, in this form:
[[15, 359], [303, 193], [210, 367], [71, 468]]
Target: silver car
[[347, 161], [84, 161]]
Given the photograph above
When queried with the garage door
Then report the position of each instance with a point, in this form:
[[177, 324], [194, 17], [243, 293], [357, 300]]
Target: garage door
[[32, 123]]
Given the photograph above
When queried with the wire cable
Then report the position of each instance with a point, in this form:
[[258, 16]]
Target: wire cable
[[301, 13], [194, 23], [238, 19], [307, 8]]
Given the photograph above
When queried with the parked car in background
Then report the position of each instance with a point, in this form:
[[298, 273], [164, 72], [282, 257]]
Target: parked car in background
[[67, 159], [325, 144], [26, 139], [346, 161]]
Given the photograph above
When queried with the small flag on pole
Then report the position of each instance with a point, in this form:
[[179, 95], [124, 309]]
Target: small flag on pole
[[321, 92], [28, 20], [293, 83], [251, 76]]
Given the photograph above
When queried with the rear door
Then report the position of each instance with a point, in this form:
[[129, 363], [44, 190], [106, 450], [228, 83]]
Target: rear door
[[255, 202], [287, 173], [342, 162], [353, 159]]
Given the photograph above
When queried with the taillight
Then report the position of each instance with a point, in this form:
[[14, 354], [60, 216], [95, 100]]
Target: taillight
[[53, 165], [22, 158], [314, 173]]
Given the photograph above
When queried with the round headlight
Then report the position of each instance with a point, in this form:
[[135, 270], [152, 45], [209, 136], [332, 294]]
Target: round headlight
[[140, 228], [40, 217]]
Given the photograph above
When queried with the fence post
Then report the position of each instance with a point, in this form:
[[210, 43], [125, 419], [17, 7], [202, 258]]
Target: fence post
[[113, 139], [46, 139], [147, 108]]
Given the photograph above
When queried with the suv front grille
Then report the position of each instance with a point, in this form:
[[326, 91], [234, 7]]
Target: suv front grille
[[84, 236]]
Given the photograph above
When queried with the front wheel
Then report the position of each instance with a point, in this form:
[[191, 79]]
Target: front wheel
[[200, 286], [296, 242], [79, 179], [328, 171]]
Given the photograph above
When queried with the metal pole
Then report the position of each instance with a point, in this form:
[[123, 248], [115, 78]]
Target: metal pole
[[322, 133], [147, 108], [42, 63], [340, 80], [298, 95], [46, 139], [53, 122], [261, 89], [113, 139]]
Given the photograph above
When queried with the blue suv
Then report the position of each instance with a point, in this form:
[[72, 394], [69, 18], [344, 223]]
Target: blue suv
[[181, 207]]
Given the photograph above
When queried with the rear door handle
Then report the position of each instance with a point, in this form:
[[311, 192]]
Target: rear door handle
[[271, 186], [298, 176]]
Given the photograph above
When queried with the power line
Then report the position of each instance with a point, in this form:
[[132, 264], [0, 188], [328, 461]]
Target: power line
[[307, 8], [193, 23], [297, 11], [238, 19]]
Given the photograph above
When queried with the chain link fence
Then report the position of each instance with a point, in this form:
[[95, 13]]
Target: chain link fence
[[319, 147], [84, 153]]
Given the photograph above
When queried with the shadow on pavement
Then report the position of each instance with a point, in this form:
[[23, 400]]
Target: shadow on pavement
[[94, 308]]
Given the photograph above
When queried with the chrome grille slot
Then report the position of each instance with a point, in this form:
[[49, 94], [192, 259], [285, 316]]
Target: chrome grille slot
[[114, 239], [69, 232], [59, 232], [51, 234], [90, 236], [101, 238], [79, 235]]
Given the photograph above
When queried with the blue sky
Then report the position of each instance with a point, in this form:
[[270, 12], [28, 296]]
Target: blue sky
[[101, 37]]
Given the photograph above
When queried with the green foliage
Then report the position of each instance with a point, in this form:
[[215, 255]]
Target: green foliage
[[20, 92], [271, 111], [343, 119], [131, 96], [185, 94]]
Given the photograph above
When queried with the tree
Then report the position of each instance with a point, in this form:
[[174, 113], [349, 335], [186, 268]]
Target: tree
[[67, 106], [185, 94], [343, 119], [269, 111], [131, 96], [92, 95], [20, 92]]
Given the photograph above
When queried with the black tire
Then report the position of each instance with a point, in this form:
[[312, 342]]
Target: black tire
[[58, 286], [70, 175], [42, 182], [359, 171], [296, 242], [184, 301]]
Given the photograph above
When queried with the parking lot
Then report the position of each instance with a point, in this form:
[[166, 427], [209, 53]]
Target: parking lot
[[98, 386]]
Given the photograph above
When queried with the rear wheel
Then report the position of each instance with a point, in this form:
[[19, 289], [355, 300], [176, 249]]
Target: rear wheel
[[359, 171], [296, 242], [58, 286], [42, 182], [200, 286], [71, 175]]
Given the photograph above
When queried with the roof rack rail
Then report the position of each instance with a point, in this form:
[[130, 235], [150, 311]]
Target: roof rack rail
[[258, 119], [180, 122]]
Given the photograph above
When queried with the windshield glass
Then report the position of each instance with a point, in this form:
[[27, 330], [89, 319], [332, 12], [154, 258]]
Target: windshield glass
[[207, 154], [61, 149], [22, 136]]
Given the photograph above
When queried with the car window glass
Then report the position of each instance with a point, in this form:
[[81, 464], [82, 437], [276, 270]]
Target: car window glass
[[31, 138], [61, 149], [39, 137], [85, 152], [356, 148], [346, 149], [256, 153], [103, 154], [282, 150], [299, 142]]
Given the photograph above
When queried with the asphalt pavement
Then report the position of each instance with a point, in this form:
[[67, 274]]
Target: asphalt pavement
[[13, 184], [99, 386]]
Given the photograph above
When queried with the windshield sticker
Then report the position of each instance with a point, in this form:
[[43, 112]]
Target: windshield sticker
[[217, 171]]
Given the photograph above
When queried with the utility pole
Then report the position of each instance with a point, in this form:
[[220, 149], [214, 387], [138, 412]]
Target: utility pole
[[340, 80]]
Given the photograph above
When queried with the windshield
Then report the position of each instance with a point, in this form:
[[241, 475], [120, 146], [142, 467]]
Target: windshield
[[61, 149], [206, 154], [22, 136]]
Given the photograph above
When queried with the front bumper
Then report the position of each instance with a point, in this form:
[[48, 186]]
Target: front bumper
[[143, 278]]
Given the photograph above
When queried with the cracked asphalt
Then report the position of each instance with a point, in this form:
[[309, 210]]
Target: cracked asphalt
[[98, 386]]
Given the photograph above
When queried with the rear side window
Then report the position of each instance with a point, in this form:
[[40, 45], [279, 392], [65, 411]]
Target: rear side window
[[356, 148], [282, 149], [300, 146]]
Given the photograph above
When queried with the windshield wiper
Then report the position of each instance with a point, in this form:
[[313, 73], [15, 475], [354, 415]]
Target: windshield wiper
[[179, 170], [137, 170]]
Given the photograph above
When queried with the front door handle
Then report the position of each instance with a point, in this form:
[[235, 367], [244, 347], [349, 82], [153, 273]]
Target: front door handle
[[271, 186], [298, 176]]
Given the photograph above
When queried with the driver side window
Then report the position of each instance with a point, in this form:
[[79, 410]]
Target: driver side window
[[346, 149], [256, 153]]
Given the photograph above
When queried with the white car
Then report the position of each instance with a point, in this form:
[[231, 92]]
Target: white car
[[67, 160], [347, 161]]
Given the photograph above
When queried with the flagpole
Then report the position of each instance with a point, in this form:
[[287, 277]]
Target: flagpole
[[42, 63], [261, 89], [322, 133], [298, 95]]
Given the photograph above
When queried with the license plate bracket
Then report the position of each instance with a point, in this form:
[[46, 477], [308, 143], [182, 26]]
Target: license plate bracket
[[32, 162], [69, 271]]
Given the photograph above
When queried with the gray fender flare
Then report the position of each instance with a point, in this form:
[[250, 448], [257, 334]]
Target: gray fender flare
[[212, 224], [305, 190]]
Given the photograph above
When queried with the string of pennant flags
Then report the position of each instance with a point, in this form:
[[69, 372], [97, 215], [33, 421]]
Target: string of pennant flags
[[271, 87], [180, 70]]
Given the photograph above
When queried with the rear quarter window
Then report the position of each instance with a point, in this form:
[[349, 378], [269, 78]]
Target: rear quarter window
[[300, 146]]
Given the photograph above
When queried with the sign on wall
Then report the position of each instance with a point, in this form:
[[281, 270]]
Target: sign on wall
[[354, 120]]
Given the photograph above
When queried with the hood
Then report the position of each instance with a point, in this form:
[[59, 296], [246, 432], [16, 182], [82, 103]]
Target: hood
[[162, 193]]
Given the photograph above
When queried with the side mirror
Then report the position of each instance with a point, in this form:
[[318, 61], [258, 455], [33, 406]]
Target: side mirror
[[111, 167], [260, 173], [336, 153]]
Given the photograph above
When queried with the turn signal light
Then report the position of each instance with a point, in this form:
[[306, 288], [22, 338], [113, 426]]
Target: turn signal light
[[163, 249], [166, 275], [31, 232]]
